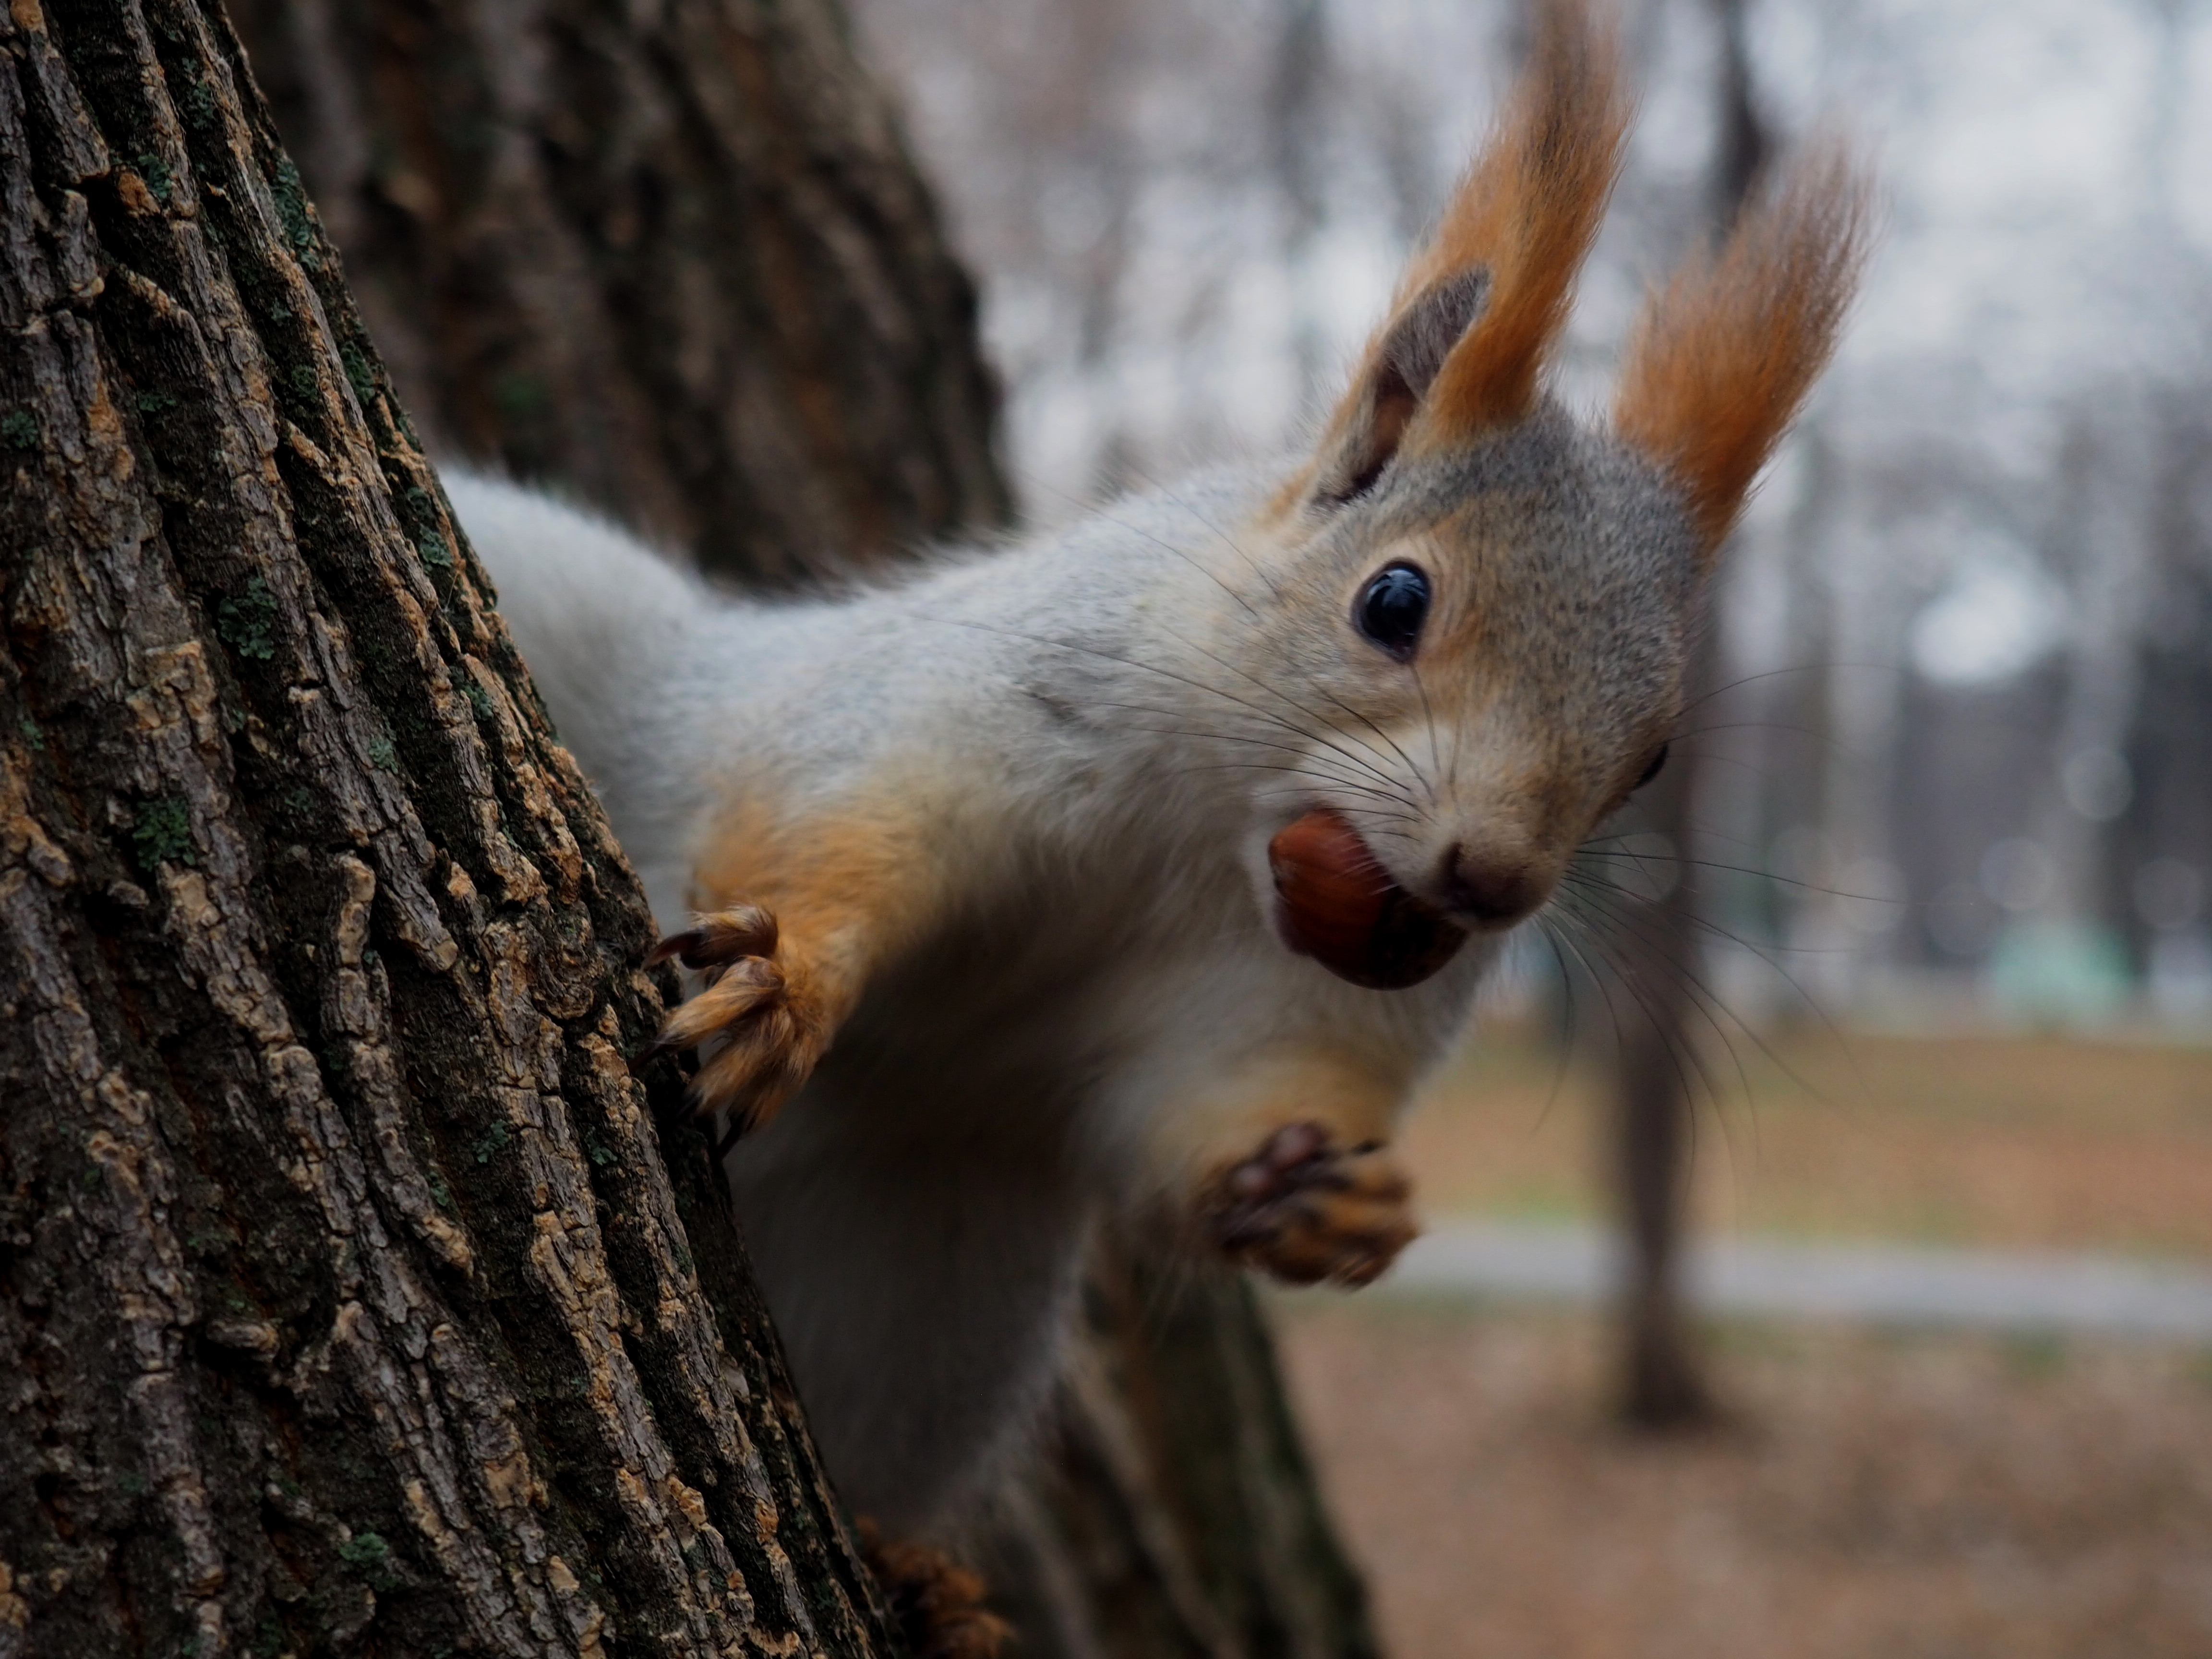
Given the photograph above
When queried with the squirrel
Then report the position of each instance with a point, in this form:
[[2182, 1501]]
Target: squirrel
[[1145, 865]]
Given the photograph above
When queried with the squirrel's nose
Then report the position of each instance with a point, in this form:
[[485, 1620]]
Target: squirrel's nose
[[1489, 889]]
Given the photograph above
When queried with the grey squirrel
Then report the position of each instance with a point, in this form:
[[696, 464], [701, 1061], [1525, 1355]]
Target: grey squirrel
[[1146, 864]]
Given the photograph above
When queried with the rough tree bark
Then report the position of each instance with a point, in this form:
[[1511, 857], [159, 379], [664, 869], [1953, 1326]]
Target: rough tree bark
[[1177, 1517], [351, 1299], [674, 258], [1662, 1385], [707, 148]]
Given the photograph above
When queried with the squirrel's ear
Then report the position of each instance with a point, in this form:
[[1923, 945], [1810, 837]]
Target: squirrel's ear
[[1400, 367], [1481, 304], [1728, 350]]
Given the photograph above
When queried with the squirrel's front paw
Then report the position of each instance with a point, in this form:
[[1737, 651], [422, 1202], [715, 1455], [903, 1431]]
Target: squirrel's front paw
[[769, 1025], [1305, 1209]]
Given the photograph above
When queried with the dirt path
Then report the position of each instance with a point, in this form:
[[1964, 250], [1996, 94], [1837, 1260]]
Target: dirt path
[[1875, 1498]]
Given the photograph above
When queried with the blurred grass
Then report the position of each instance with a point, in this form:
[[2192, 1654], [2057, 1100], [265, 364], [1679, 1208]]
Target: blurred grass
[[2027, 1142]]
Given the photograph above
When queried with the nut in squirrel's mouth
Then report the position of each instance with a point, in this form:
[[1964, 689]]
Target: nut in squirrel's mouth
[[1336, 903]]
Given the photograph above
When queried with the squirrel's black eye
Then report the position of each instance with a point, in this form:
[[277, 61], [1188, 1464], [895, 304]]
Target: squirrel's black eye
[[1392, 608], [1651, 769]]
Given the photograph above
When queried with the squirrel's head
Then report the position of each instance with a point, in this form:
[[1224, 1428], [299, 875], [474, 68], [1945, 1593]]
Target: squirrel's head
[[1493, 604]]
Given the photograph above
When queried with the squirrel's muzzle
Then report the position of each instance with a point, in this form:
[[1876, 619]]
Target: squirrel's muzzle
[[1336, 903], [1491, 892]]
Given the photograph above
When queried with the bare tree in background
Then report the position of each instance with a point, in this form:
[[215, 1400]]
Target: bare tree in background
[[711, 205], [1662, 1384], [1295, 93]]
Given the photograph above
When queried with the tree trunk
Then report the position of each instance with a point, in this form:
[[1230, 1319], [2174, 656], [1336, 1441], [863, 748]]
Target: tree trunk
[[673, 258], [886, 436], [1662, 1386], [352, 1301], [1177, 1517]]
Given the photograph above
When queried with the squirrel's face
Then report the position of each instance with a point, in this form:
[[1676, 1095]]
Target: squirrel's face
[[1475, 614], [1490, 650]]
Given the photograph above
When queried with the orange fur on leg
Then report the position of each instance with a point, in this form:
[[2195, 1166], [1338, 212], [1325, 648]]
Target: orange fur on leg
[[1281, 1163], [758, 1004], [799, 913]]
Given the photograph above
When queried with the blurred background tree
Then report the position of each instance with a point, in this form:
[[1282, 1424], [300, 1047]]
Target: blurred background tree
[[674, 260]]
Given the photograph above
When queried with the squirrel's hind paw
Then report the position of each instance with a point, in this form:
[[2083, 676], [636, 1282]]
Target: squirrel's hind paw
[[767, 1027], [939, 1605], [1304, 1209]]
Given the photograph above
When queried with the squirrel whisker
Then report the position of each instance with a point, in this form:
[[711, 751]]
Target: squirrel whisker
[[1179, 679]]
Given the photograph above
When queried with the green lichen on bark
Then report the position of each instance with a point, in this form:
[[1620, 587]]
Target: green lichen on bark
[[161, 832], [244, 620]]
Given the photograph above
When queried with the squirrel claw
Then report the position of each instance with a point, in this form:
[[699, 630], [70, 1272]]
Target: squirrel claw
[[718, 940], [1304, 1209], [760, 1029]]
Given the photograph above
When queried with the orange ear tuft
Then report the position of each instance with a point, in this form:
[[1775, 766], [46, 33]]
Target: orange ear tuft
[[1728, 350], [1478, 306], [1527, 214]]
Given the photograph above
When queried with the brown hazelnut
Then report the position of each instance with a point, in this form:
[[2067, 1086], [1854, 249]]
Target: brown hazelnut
[[1337, 904]]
